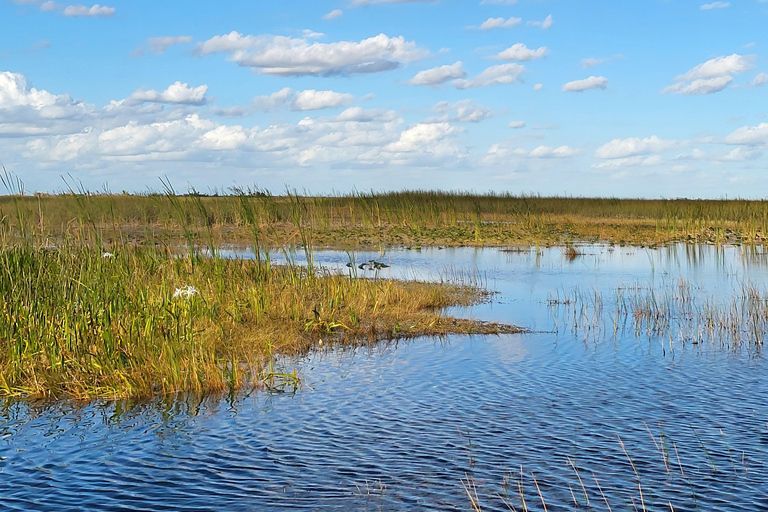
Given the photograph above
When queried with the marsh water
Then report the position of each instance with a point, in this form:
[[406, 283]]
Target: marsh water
[[586, 411]]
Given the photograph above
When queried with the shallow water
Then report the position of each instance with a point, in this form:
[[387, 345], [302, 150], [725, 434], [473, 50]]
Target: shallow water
[[406, 426]]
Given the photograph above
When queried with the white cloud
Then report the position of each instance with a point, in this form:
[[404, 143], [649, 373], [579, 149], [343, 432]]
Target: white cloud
[[717, 67], [545, 25], [420, 136], [593, 82], [759, 80], [700, 86], [492, 23], [538, 87], [520, 52], [180, 93], [749, 135], [633, 146], [715, 5], [311, 99], [48, 6], [515, 125], [711, 76], [101, 11], [741, 154], [501, 74], [308, 99], [438, 75], [465, 111], [559, 152], [25, 110], [286, 56], [333, 14], [158, 45], [591, 62], [633, 161]]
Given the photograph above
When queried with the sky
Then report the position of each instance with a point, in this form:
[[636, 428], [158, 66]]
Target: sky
[[644, 98]]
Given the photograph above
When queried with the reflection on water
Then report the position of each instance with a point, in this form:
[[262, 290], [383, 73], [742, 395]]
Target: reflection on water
[[399, 426]]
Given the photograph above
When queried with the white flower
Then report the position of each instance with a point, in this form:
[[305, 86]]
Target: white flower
[[186, 292], [107, 255]]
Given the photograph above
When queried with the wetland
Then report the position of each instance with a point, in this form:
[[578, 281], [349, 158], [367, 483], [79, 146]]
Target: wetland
[[616, 374]]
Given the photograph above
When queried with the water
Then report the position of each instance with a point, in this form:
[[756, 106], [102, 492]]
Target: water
[[412, 426]]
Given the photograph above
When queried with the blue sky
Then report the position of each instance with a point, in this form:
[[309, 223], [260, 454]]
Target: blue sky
[[656, 98]]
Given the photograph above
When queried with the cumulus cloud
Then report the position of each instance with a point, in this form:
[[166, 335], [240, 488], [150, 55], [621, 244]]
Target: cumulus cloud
[[57, 133], [333, 14], [311, 99], [741, 154], [591, 62], [158, 45], [300, 101], [501, 74], [632, 161], [545, 25], [463, 111], [286, 56], [520, 52], [177, 92], [711, 76], [439, 75], [538, 87], [100, 11], [759, 80], [559, 152], [420, 135], [492, 23], [749, 135], [715, 5], [634, 146], [515, 125], [593, 82], [700, 86], [25, 110], [717, 67]]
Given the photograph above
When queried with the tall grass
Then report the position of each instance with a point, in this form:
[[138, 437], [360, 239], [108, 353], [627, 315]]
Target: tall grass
[[100, 313], [400, 218]]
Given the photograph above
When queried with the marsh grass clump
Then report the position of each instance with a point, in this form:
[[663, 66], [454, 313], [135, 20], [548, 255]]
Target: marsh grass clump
[[148, 320], [674, 313], [91, 309]]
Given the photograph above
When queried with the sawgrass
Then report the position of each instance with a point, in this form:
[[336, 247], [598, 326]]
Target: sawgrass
[[410, 218]]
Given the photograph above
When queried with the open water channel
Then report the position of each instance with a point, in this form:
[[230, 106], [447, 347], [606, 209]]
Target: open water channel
[[588, 411]]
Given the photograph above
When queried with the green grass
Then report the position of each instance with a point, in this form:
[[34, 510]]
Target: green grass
[[80, 324], [395, 218], [89, 309]]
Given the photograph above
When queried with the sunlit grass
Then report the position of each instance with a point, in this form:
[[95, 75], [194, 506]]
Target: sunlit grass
[[85, 314], [409, 218]]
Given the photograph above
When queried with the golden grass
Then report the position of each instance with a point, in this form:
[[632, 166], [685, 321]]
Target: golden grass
[[79, 324]]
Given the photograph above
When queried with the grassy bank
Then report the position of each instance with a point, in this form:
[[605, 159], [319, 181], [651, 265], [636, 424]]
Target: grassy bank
[[78, 322], [391, 219], [91, 308]]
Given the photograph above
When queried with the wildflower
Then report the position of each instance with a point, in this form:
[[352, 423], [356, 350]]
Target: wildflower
[[186, 292], [107, 255]]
